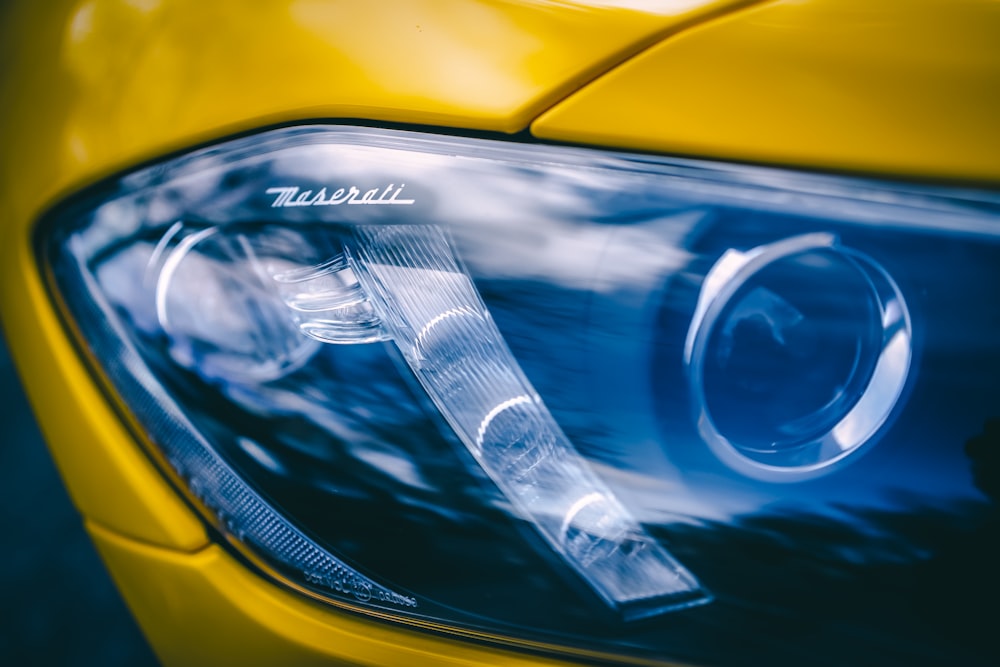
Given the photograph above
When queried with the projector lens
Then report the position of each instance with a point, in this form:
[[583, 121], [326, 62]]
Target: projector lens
[[799, 351]]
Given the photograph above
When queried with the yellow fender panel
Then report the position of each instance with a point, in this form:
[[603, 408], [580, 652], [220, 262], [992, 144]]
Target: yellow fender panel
[[101, 84], [908, 88], [207, 609]]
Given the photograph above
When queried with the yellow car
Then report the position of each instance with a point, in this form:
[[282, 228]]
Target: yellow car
[[517, 332]]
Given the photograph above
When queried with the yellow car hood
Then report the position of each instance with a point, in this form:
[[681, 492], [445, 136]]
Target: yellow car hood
[[98, 85], [905, 88]]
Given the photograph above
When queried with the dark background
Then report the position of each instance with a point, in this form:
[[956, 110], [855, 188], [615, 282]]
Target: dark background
[[58, 605]]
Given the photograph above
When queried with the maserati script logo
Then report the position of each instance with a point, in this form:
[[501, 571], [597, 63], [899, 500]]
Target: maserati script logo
[[291, 196]]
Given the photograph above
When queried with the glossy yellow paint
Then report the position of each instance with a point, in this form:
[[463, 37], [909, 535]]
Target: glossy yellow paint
[[908, 88], [102, 84], [91, 87], [206, 609]]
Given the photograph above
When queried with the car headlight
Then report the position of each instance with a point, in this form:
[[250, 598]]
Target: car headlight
[[497, 386]]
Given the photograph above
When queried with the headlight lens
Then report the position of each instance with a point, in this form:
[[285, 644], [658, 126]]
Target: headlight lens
[[517, 388], [797, 354]]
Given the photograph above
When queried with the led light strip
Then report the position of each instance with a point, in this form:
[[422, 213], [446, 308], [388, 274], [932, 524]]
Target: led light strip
[[428, 306]]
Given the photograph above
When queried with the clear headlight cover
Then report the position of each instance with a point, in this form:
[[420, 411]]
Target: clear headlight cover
[[546, 392]]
